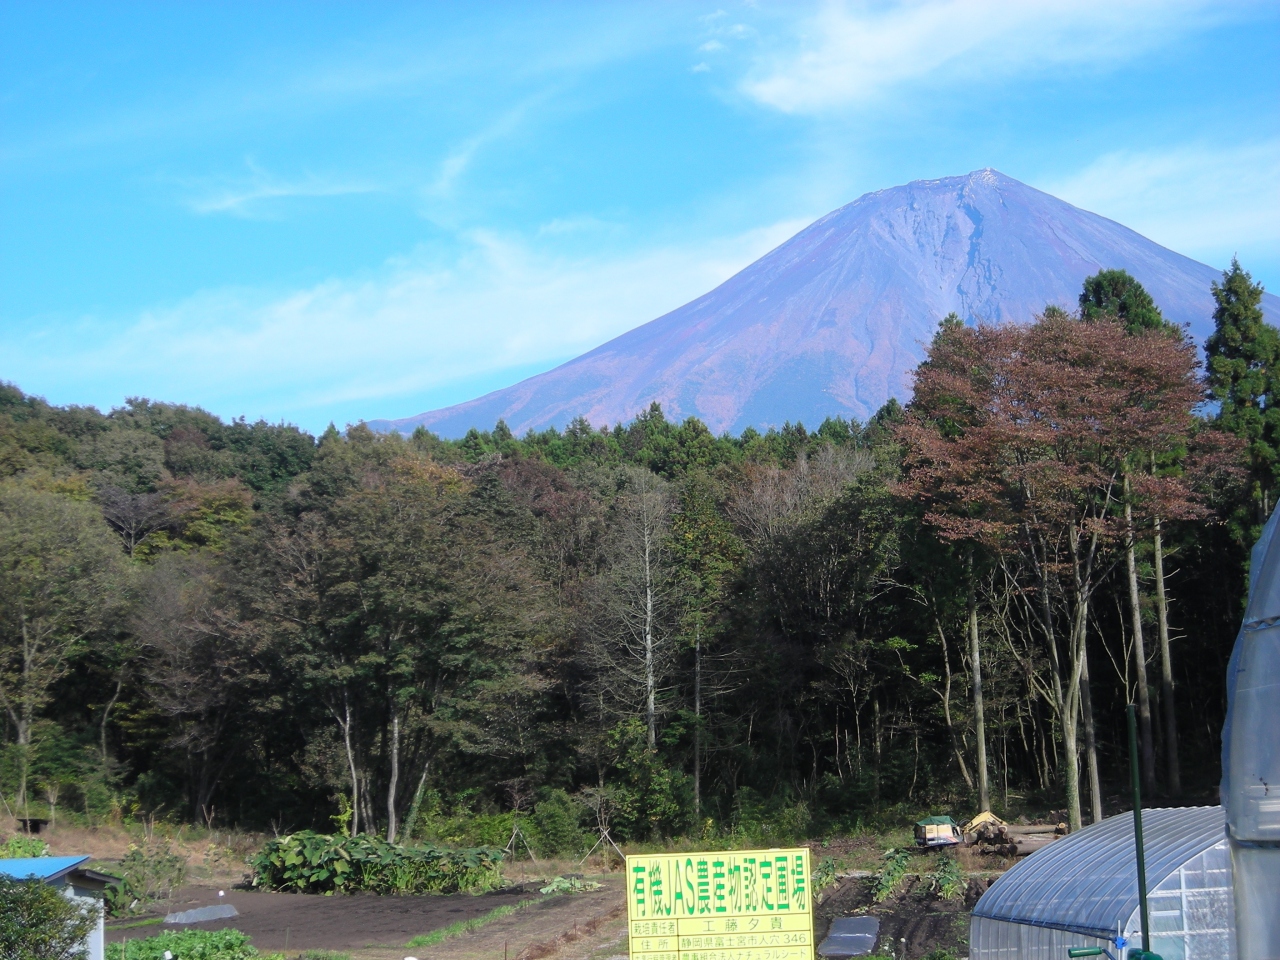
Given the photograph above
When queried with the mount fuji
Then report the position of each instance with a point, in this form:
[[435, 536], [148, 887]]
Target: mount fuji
[[833, 321]]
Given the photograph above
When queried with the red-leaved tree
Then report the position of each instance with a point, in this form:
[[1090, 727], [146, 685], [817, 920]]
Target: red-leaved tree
[[1018, 442]]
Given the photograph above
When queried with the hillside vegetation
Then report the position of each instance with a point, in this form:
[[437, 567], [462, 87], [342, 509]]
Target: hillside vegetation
[[645, 626]]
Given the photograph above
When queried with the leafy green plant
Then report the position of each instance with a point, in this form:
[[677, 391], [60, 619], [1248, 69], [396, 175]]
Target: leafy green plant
[[948, 879], [190, 945], [825, 875], [891, 874], [38, 921], [569, 885], [19, 847], [940, 955], [323, 955], [307, 862], [148, 872]]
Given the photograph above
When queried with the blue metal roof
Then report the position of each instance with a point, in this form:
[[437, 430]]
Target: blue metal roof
[[40, 868], [1087, 882]]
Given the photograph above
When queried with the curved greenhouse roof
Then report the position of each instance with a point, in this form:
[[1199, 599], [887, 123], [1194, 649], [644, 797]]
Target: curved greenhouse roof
[[1087, 883]]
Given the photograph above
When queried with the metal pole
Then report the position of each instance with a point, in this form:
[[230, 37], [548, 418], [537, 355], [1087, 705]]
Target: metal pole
[[1134, 776]]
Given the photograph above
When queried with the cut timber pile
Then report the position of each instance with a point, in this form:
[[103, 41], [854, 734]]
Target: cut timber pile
[[993, 836]]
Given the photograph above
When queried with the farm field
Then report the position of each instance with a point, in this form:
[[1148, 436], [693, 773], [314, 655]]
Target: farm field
[[584, 926], [373, 927], [914, 919]]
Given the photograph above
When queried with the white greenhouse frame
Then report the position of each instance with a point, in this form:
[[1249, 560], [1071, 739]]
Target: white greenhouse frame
[[1082, 891]]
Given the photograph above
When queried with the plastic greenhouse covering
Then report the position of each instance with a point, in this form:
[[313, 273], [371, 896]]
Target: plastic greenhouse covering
[[1251, 755], [1082, 891]]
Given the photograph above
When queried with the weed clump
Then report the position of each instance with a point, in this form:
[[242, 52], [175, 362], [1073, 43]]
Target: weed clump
[[148, 872]]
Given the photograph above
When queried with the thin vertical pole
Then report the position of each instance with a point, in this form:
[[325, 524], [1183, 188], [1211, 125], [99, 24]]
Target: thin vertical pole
[[1135, 776]]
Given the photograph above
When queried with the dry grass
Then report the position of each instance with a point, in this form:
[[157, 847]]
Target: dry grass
[[526, 871], [213, 856]]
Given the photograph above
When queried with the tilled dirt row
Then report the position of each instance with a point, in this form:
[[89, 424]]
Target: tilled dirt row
[[372, 927], [915, 921], [564, 928], [279, 921]]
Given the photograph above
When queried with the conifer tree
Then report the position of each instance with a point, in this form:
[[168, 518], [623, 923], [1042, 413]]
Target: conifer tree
[[1115, 293], [1243, 358]]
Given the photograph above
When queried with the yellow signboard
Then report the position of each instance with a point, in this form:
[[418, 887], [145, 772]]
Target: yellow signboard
[[735, 905]]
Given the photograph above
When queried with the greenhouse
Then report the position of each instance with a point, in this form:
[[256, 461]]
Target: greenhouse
[[1082, 891]]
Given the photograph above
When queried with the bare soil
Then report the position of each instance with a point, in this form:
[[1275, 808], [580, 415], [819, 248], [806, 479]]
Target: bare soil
[[294, 921], [372, 927], [564, 928], [915, 921]]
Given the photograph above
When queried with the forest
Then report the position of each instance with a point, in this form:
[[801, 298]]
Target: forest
[[778, 634]]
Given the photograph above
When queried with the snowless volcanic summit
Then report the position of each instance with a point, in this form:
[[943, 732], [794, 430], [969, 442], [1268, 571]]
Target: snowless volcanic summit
[[833, 321]]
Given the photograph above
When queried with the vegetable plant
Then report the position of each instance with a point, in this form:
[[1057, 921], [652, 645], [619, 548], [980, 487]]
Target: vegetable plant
[[307, 862]]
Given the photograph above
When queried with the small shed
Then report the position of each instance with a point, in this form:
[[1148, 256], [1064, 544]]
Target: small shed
[[937, 832], [76, 882], [1082, 891]]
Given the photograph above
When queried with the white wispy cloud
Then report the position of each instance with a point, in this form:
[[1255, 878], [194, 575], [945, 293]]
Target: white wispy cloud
[[459, 159], [415, 325], [854, 53], [249, 194], [1202, 199], [561, 226]]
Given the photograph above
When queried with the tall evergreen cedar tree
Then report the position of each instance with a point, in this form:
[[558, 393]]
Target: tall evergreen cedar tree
[[788, 633], [1244, 378]]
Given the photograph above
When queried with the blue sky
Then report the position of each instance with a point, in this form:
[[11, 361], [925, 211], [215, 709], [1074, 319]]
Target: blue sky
[[322, 211]]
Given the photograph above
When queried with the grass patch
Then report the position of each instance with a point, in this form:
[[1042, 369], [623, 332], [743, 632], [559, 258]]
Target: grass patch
[[137, 923], [323, 955], [460, 927]]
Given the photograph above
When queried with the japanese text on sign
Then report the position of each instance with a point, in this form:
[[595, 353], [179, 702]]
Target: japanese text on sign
[[732, 905]]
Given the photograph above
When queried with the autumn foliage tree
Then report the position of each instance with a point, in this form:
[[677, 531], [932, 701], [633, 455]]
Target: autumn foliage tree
[[751, 638], [1017, 440]]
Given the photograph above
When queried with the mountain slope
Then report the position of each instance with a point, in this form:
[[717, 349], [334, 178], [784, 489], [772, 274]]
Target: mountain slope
[[834, 320]]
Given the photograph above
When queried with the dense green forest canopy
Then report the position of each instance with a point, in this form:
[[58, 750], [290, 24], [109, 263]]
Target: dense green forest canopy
[[946, 606]]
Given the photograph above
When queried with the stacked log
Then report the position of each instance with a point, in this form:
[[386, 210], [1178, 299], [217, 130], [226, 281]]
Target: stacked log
[[1016, 839]]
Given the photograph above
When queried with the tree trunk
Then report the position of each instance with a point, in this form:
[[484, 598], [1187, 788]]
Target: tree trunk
[[1090, 738], [24, 758], [366, 802], [1174, 769], [979, 720], [23, 718], [1139, 653], [697, 728], [106, 715], [411, 820], [1071, 767], [395, 777], [1083, 573], [946, 707], [344, 721], [875, 751], [650, 665]]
